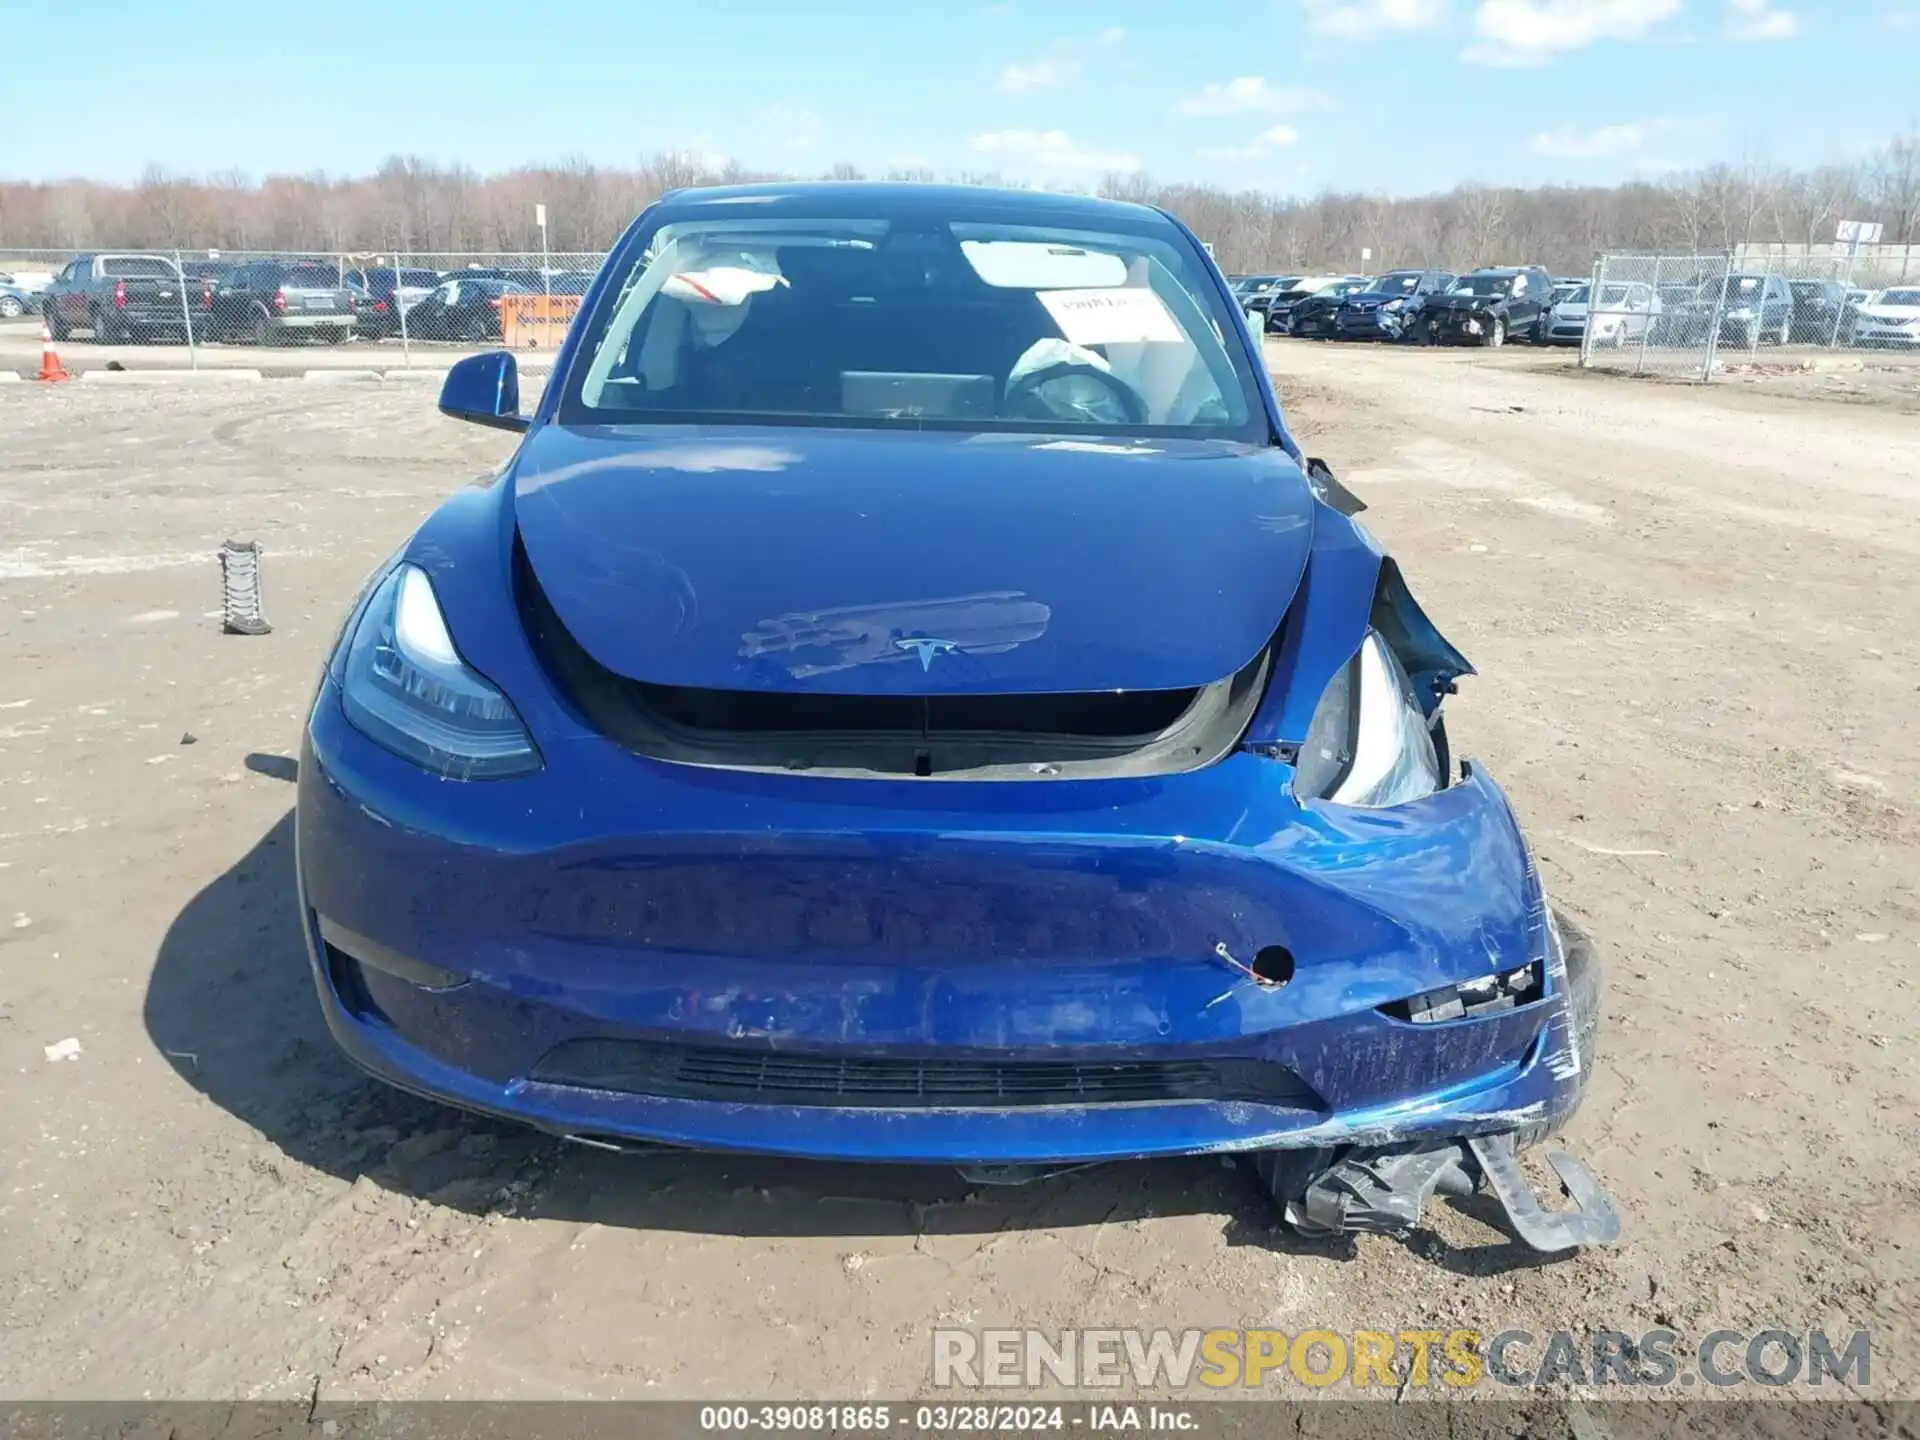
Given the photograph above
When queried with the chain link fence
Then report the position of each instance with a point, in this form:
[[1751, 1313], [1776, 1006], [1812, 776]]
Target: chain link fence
[[370, 307], [1693, 316]]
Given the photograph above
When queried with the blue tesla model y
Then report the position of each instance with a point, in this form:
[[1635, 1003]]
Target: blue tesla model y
[[908, 698]]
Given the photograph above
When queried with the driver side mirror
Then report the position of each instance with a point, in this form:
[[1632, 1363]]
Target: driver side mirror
[[485, 389]]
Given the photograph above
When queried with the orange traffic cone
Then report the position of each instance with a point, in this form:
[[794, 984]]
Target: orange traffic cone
[[50, 366]]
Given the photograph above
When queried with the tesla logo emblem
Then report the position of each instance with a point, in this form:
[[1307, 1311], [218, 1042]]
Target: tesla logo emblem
[[927, 649]]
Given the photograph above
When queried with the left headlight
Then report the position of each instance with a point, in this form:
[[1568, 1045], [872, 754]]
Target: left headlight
[[1368, 742], [405, 687]]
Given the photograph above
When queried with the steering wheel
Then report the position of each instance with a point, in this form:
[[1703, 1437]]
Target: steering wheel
[[1074, 392]]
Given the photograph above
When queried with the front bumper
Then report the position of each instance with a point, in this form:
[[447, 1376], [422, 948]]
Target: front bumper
[[1376, 324], [951, 926], [1471, 326], [1886, 337]]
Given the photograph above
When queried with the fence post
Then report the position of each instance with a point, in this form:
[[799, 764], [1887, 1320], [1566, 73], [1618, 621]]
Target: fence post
[[186, 317], [1586, 331], [1719, 309], [1646, 330], [400, 310]]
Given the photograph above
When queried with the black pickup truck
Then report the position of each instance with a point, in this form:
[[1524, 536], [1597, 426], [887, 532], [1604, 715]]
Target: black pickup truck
[[123, 298]]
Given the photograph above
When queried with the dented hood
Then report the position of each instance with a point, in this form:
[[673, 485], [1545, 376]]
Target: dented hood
[[879, 562]]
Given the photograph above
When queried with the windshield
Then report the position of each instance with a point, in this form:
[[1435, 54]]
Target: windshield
[[1739, 287], [1400, 282], [1340, 289], [1899, 297], [1482, 285], [879, 322], [1578, 295]]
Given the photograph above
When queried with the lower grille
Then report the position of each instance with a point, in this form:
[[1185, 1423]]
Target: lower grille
[[766, 1077]]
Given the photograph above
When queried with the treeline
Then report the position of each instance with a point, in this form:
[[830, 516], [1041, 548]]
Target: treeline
[[423, 207]]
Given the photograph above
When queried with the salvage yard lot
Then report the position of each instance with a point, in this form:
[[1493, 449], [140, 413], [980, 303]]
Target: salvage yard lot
[[1695, 618]]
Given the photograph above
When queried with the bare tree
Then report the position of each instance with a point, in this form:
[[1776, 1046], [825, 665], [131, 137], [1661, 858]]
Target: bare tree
[[426, 208]]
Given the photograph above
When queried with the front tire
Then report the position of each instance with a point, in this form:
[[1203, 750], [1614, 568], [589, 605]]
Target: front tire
[[1497, 336], [11, 308], [56, 327]]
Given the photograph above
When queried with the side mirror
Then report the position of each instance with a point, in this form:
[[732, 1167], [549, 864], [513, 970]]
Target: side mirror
[[486, 390]]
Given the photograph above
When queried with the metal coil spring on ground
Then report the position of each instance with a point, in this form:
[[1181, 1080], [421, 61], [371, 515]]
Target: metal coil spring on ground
[[240, 589]]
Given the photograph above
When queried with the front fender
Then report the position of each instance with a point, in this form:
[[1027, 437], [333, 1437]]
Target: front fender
[[1350, 586]]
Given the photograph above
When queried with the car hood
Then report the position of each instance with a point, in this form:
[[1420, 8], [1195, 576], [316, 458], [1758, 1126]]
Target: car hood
[[1467, 302], [881, 562], [1890, 312]]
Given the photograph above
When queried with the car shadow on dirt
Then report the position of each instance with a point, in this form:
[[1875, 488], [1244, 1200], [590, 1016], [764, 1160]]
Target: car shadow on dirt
[[231, 1005]]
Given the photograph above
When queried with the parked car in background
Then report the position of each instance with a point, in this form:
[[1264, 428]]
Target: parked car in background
[[1280, 304], [463, 309], [1247, 286], [1823, 312], [1563, 289], [1758, 309], [525, 276], [1257, 301], [376, 308], [122, 299], [1487, 307], [31, 281], [1752, 309], [1390, 307], [1889, 320], [269, 300], [1628, 311], [14, 301]]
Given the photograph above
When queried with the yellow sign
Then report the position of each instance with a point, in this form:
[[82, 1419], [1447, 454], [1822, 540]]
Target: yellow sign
[[536, 322]]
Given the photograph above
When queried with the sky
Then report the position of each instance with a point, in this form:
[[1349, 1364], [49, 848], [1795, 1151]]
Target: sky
[[1287, 96]]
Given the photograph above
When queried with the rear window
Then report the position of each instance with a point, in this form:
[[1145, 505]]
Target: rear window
[[133, 266], [316, 277]]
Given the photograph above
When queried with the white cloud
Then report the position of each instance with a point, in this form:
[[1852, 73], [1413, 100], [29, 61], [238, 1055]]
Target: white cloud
[[1051, 150], [1760, 20], [1531, 32], [1275, 137], [1040, 75], [1252, 93], [1569, 144], [1370, 17], [1904, 15], [1061, 68]]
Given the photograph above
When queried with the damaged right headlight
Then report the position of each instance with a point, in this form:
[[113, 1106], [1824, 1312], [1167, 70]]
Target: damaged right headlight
[[1368, 743]]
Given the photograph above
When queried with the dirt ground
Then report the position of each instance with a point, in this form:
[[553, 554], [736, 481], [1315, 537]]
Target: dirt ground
[[1695, 617]]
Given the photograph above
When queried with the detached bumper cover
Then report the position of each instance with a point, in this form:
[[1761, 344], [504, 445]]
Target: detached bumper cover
[[878, 970]]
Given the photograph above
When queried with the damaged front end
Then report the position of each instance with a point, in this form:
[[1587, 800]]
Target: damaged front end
[[1383, 1188], [1378, 1178]]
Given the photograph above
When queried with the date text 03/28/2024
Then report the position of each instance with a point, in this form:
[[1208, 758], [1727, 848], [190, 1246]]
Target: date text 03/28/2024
[[962, 1418]]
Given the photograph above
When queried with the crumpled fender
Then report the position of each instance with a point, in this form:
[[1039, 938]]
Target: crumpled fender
[[1350, 586]]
